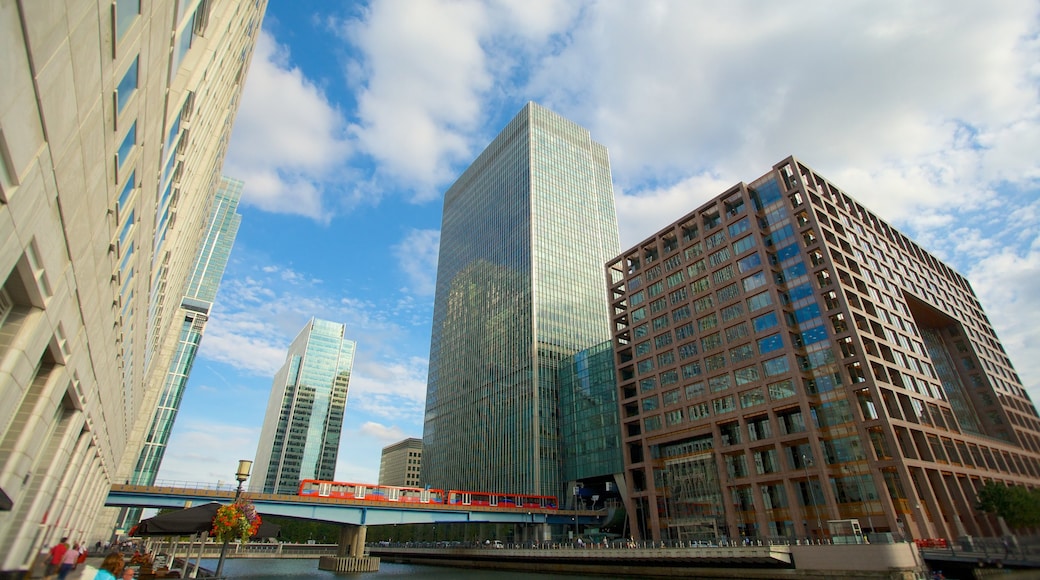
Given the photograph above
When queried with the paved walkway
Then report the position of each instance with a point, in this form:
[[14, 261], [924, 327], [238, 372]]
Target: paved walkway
[[85, 571]]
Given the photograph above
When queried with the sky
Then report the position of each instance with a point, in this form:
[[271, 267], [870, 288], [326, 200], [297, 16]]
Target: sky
[[357, 116]]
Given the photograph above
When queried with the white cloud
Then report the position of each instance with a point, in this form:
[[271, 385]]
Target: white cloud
[[642, 214], [388, 390], [206, 451], [422, 71], [417, 257], [388, 434], [288, 142], [908, 102]]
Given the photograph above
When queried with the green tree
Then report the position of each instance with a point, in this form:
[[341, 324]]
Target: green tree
[[300, 531], [1019, 506]]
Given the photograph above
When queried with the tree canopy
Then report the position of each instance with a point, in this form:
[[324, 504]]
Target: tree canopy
[[1019, 506]]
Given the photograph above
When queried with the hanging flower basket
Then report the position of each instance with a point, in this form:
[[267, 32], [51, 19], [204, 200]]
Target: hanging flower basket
[[238, 520]]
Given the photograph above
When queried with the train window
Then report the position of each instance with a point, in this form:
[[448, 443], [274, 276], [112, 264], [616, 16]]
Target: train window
[[393, 494]]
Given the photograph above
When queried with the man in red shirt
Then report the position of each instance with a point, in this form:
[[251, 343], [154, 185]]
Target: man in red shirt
[[54, 558]]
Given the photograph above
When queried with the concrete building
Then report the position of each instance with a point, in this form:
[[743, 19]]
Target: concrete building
[[400, 463], [114, 121], [199, 295], [786, 358], [304, 419], [525, 231]]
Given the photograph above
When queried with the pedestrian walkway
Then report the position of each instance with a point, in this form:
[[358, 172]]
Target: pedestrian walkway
[[85, 571]]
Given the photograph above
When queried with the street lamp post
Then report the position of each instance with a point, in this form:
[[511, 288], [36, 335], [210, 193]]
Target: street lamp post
[[244, 467], [812, 493]]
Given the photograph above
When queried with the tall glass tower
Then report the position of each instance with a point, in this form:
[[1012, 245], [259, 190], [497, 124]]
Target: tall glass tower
[[300, 436], [199, 295], [526, 232]]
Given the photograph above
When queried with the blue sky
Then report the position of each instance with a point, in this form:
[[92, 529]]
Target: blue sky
[[357, 116]]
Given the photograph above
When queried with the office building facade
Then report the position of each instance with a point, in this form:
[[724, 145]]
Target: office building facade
[[114, 122], [400, 463], [519, 290], [199, 295], [304, 419], [786, 358], [590, 428]]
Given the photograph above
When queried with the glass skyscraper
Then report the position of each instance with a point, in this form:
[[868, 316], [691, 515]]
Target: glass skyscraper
[[300, 436], [526, 231], [199, 295]]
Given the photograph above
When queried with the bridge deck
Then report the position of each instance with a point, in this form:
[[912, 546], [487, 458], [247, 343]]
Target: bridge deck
[[344, 511]]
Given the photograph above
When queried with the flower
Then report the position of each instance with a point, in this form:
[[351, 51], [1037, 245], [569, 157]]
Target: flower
[[237, 520]]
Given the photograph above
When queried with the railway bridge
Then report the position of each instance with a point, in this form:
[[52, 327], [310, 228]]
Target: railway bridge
[[353, 515]]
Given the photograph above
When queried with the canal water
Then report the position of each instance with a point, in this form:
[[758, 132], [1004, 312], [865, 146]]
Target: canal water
[[307, 569]]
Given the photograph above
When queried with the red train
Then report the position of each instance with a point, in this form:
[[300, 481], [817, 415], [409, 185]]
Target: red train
[[388, 493]]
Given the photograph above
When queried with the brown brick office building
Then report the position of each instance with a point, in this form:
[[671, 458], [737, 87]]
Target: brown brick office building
[[786, 358]]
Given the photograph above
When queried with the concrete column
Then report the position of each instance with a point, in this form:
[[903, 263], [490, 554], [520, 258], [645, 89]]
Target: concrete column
[[359, 542], [926, 527], [986, 523], [965, 509], [351, 541], [948, 523]]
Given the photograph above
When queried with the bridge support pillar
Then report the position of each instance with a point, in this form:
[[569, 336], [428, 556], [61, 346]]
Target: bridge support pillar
[[352, 541], [350, 553]]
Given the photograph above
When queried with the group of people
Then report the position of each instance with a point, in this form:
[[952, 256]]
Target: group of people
[[61, 560]]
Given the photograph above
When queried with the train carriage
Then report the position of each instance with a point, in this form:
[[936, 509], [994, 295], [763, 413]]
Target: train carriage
[[423, 495], [369, 492], [500, 500]]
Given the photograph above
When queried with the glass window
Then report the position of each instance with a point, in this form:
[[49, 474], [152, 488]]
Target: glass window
[[727, 293], [127, 145], [770, 343], [765, 322], [744, 244], [711, 341], [126, 12], [686, 351], [645, 366], [754, 281], [127, 86], [184, 41], [684, 331], [781, 390], [749, 263], [746, 375], [724, 405], [650, 403], [759, 301], [691, 370], [739, 227], [776, 366], [752, 398], [731, 312], [128, 188]]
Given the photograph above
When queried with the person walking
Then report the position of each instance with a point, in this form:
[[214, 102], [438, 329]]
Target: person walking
[[54, 559], [68, 562]]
